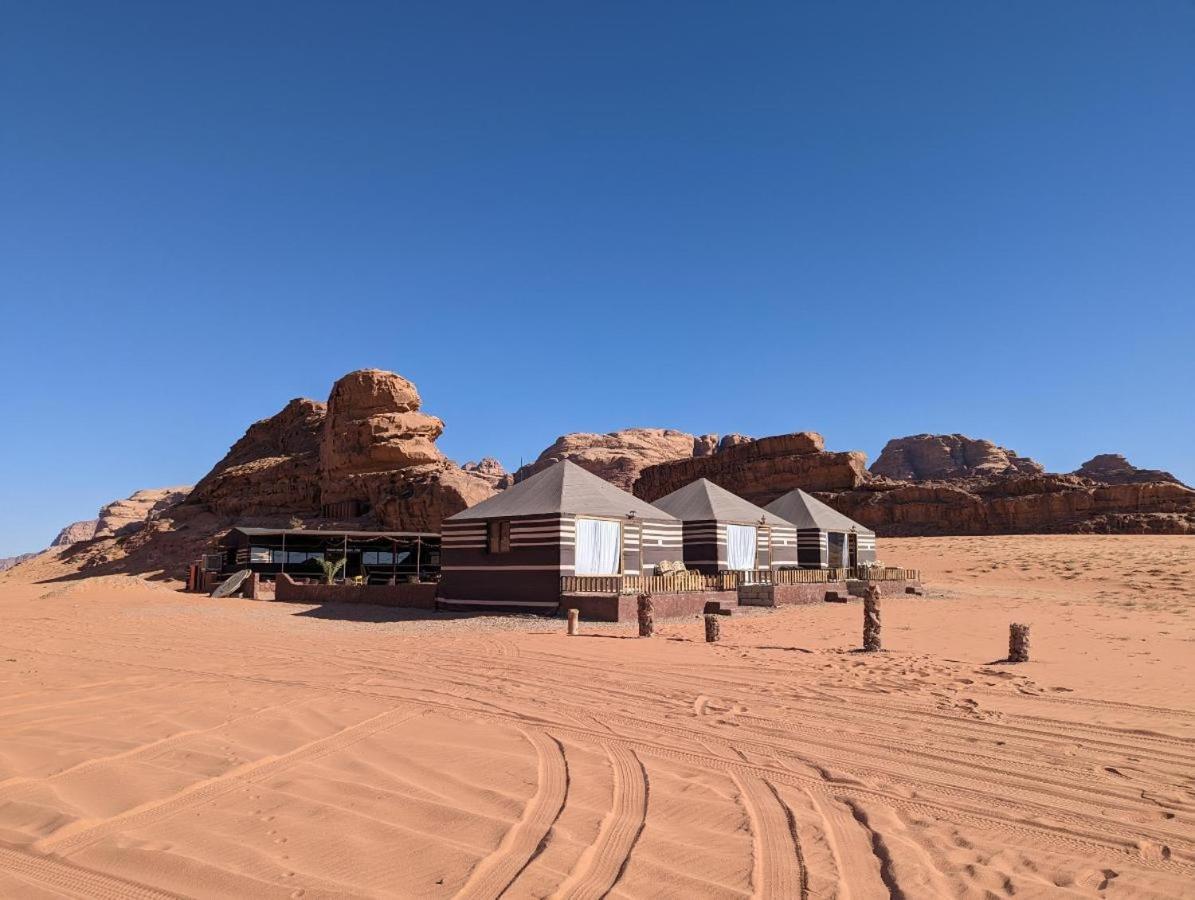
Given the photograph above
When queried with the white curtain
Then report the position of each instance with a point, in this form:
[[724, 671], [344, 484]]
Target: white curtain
[[599, 547], [740, 546]]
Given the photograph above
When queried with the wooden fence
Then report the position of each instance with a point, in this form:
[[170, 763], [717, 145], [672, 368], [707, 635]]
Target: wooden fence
[[687, 582], [680, 583]]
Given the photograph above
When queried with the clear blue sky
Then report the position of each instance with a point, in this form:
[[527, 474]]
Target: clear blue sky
[[870, 219]]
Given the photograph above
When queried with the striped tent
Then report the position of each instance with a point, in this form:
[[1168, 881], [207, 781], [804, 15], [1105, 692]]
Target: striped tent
[[825, 537], [509, 552], [723, 531]]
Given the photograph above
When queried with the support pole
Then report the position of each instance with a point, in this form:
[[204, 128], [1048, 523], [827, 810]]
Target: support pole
[[574, 616], [712, 628], [1018, 643], [871, 619], [283, 551], [647, 625], [418, 558]]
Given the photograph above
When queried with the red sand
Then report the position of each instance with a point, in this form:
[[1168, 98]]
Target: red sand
[[154, 743]]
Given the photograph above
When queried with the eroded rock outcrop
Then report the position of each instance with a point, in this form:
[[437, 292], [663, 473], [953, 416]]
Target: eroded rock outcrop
[[1113, 468], [369, 453], [760, 470], [272, 470], [1019, 504], [121, 517], [378, 457], [620, 456], [491, 470], [947, 457], [76, 532]]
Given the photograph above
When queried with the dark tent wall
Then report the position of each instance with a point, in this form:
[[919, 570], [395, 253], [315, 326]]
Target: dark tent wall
[[709, 512], [512, 550]]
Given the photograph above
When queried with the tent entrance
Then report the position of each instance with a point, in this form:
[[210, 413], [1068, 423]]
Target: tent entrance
[[741, 544], [837, 547], [599, 547]]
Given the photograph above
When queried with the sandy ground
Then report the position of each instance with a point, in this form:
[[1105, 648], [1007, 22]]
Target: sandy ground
[[156, 744]]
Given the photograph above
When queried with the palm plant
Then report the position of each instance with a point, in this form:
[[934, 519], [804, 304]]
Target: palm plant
[[331, 568]]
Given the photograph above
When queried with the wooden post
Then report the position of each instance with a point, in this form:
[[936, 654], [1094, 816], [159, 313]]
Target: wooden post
[[871, 619], [1018, 643], [647, 625], [712, 628], [573, 616]]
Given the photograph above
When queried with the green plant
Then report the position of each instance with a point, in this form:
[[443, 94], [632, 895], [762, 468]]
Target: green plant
[[331, 568]]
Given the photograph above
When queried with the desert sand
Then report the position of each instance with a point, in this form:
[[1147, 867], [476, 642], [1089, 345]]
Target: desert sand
[[157, 744]]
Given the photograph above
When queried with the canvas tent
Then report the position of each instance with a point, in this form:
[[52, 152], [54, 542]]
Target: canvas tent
[[723, 531], [825, 537], [510, 551]]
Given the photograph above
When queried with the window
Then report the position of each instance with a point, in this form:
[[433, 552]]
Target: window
[[498, 537], [260, 555], [384, 557], [294, 557]]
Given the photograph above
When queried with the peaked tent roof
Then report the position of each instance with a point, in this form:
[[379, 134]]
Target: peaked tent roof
[[806, 511], [562, 488], [703, 500]]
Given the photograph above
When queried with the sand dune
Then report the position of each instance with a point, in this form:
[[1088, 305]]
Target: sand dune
[[156, 744]]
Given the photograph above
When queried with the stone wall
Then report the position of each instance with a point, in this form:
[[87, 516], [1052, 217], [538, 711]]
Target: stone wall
[[409, 596], [625, 607]]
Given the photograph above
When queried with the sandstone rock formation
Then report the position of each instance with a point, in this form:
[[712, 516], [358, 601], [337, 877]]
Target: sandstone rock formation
[[492, 471], [760, 470], [121, 517], [368, 453], [1113, 468], [272, 470], [1019, 504], [945, 457], [75, 532], [8, 562], [619, 456], [378, 457]]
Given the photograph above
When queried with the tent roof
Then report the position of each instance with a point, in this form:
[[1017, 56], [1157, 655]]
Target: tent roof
[[319, 532], [806, 511], [562, 488], [703, 500]]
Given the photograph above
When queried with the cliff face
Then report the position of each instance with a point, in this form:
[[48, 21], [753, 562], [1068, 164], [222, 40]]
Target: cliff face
[[121, 517], [1113, 468], [272, 470], [75, 532], [1025, 504], [368, 453], [946, 457], [760, 470], [620, 456]]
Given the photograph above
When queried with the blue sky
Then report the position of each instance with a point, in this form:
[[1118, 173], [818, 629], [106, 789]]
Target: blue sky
[[870, 220]]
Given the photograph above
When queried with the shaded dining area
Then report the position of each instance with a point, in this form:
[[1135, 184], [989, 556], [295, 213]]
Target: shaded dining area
[[369, 557]]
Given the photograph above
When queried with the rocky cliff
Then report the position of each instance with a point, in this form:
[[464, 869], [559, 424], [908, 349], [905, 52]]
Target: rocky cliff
[[75, 532], [121, 517], [947, 457], [1019, 504], [620, 456], [367, 454], [760, 470], [8, 562], [1112, 468]]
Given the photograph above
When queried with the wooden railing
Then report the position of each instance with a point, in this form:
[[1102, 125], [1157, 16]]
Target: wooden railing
[[680, 583], [687, 582]]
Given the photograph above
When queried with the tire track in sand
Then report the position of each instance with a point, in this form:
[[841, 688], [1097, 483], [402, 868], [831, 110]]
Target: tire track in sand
[[73, 880], [495, 873], [779, 871], [139, 817], [602, 864]]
